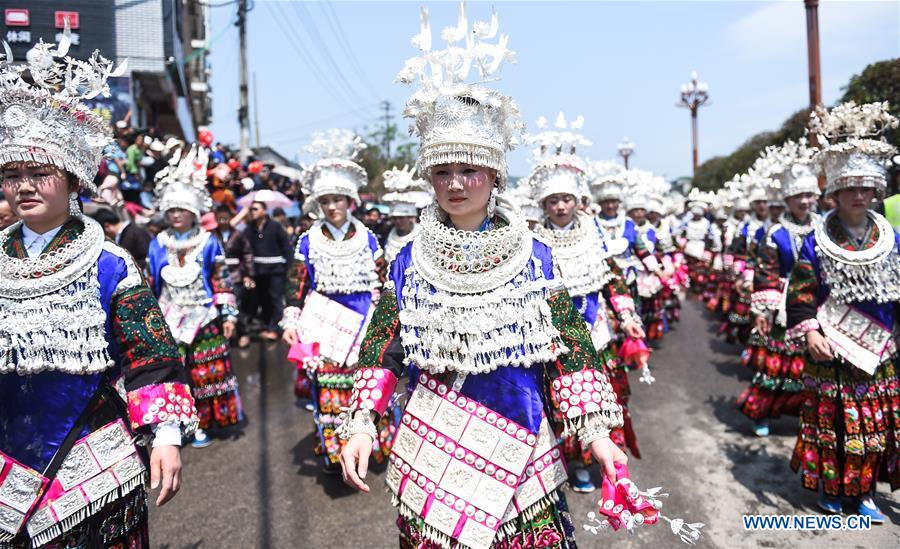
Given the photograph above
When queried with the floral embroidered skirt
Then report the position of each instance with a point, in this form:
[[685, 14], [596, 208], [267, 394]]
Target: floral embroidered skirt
[[777, 386], [698, 272], [121, 523], [548, 527], [849, 428], [213, 384], [672, 304], [653, 315], [332, 388], [737, 324]]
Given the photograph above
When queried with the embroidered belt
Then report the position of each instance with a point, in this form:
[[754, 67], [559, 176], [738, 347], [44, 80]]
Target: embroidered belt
[[855, 336], [465, 469], [99, 468]]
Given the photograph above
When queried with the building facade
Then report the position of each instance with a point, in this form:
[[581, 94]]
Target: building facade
[[165, 42]]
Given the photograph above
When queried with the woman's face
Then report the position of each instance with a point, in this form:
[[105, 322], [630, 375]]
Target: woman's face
[[181, 220], [462, 189], [801, 204], [638, 215], [334, 208], [560, 208], [854, 200], [36, 192]]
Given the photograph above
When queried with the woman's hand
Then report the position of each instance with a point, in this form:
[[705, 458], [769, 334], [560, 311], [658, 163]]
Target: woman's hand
[[165, 465], [633, 330], [819, 347], [608, 455], [289, 336], [355, 461], [228, 328], [762, 325]]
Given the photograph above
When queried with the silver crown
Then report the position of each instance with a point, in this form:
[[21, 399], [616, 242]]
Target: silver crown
[[458, 121], [558, 168], [607, 180], [182, 184], [42, 117], [335, 172], [854, 153], [406, 193], [789, 170]]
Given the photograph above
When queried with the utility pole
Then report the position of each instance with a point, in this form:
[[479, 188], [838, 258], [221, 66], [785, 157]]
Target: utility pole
[[815, 63], [388, 134], [244, 110], [256, 108]]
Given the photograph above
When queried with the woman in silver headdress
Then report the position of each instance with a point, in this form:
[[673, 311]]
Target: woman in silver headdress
[[90, 377], [474, 313], [186, 266], [776, 386], [843, 301]]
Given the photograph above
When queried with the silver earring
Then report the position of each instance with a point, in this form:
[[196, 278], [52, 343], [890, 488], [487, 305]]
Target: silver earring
[[74, 210], [492, 203]]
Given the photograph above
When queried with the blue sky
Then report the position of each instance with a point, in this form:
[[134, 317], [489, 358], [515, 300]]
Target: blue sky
[[619, 64]]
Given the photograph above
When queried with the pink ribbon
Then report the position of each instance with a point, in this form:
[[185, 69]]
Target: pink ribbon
[[626, 502], [634, 352], [299, 352]]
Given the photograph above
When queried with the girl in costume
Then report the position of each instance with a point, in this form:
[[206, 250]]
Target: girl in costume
[[776, 386], [591, 276], [476, 315], [843, 301], [337, 258], [90, 377], [187, 272]]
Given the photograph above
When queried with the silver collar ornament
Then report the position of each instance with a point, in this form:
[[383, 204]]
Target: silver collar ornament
[[476, 301], [580, 254], [42, 115], [51, 317], [860, 275], [342, 266]]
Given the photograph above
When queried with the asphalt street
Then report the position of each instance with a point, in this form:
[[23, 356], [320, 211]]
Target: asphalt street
[[259, 485]]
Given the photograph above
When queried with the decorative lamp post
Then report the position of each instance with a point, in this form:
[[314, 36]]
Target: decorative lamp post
[[626, 149], [693, 95]]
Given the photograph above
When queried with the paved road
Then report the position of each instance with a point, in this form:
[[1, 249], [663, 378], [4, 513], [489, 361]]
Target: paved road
[[261, 487]]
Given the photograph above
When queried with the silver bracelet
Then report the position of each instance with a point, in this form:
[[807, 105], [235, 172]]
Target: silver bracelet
[[591, 433], [360, 422]]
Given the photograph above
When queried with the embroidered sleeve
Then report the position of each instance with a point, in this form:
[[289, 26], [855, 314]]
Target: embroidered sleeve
[[152, 368], [578, 385], [767, 284], [298, 286], [802, 295], [380, 367], [220, 282], [619, 295]]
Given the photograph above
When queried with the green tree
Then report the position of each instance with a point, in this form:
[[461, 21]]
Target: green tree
[[877, 82], [375, 162]]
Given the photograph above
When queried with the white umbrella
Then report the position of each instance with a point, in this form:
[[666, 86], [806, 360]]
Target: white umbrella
[[287, 171]]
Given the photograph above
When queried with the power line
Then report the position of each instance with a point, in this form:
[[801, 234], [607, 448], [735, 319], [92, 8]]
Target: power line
[[333, 117], [335, 23], [317, 39], [295, 42]]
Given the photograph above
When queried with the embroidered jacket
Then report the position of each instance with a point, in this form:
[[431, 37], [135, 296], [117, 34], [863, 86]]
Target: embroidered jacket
[[37, 410]]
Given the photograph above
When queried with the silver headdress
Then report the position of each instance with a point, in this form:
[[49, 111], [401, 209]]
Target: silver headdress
[[335, 172], [640, 185], [789, 170], [853, 150], [42, 117], [607, 180], [558, 168], [457, 121], [182, 184], [406, 194]]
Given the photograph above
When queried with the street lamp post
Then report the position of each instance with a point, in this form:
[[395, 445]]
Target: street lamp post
[[694, 94], [626, 149]]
